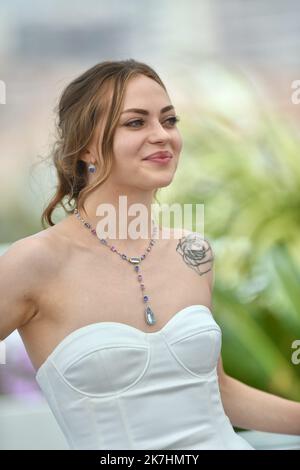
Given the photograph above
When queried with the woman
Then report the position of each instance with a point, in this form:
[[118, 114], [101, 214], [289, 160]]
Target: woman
[[125, 346]]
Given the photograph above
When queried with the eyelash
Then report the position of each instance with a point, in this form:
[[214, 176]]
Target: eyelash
[[174, 119]]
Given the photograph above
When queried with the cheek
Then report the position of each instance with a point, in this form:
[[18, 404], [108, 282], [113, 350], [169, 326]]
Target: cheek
[[178, 143], [125, 145]]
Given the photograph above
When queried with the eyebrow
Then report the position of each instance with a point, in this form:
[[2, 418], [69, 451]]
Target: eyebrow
[[144, 111]]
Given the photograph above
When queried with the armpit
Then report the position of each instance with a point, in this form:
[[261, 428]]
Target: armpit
[[196, 252]]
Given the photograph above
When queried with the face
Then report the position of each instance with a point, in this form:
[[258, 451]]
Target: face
[[139, 135]]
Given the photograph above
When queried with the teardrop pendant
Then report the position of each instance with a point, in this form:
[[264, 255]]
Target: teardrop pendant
[[150, 318]]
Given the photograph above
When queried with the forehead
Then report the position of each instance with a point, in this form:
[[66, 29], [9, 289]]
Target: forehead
[[142, 91]]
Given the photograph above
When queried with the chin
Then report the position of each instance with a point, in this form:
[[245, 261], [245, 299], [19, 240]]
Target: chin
[[163, 182]]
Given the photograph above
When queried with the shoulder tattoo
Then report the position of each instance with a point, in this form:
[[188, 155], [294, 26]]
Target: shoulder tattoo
[[196, 252]]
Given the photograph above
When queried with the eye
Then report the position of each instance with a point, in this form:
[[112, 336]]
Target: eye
[[172, 120]]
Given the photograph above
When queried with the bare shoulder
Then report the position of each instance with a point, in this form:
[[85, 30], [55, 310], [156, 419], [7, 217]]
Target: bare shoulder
[[38, 248], [29, 256], [196, 252], [23, 271], [36, 255], [26, 252]]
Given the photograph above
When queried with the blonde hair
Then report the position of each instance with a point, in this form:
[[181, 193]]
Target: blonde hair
[[95, 95]]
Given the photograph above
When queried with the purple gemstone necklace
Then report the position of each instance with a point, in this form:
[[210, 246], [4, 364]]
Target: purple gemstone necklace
[[135, 260]]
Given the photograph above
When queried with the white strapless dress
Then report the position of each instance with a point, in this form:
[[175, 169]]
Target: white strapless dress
[[112, 386]]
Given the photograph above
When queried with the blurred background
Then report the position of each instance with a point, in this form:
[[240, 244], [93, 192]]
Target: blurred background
[[232, 70]]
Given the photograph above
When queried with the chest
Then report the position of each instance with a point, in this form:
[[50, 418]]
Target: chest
[[92, 287], [107, 288]]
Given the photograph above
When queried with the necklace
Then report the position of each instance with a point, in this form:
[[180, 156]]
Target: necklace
[[135, 260]]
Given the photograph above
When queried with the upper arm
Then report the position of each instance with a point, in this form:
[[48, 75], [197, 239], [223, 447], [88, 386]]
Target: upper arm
[[221, 373], [209, 256], [197, 253], [20, 273]]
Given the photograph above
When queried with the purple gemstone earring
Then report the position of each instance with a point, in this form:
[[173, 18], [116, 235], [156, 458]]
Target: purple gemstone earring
[[91, 168]]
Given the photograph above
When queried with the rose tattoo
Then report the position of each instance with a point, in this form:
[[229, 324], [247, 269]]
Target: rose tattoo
[[196, 252]]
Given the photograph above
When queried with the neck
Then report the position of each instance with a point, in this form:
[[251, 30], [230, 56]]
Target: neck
[[108, 213]]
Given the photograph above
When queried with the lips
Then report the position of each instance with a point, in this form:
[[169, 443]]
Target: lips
[[159, 156]]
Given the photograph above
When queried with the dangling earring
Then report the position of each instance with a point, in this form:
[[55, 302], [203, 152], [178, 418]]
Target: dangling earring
[[91, 168]]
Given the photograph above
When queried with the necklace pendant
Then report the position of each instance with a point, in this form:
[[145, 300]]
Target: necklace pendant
[[150, 318], [134, 260]]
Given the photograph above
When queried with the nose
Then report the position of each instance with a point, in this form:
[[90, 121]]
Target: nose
[[158, 133]]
